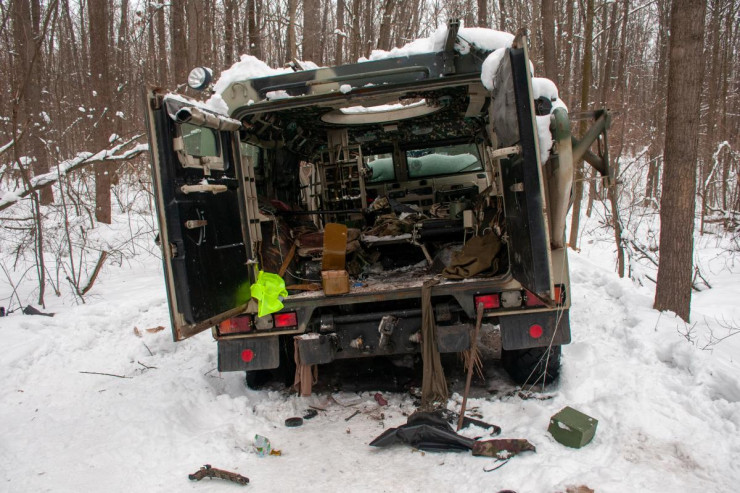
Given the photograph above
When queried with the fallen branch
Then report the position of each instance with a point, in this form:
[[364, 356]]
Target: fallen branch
[[81, 160], [644, 253], [693, 286], [106, 374], [96, 271], [697, 273]]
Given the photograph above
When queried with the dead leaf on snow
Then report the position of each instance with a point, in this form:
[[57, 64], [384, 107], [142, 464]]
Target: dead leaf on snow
[[137, 332], [154, 330], [578, 489]]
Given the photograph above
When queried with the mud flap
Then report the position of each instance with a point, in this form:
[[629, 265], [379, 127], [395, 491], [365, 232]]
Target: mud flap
[[453, 338], [257, 353], [317, 350], [517, 331]]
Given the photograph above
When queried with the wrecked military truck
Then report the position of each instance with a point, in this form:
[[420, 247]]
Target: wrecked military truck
[[356, 184]]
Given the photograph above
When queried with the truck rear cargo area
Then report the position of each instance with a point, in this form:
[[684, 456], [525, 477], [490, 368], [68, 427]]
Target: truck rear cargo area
[[395, 248]]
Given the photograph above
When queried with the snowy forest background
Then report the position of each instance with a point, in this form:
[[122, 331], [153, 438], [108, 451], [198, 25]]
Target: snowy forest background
[[76, 72]]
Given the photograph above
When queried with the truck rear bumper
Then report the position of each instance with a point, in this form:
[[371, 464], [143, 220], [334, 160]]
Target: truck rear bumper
[[383, 334]]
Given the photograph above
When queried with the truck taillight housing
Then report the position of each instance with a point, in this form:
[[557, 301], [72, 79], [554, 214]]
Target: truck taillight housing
[[559, 294], [288, 319], [236, 325], [531, 300], [489, 301]]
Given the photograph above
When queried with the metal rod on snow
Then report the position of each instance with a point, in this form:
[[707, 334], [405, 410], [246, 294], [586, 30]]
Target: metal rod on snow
[[471, 360]]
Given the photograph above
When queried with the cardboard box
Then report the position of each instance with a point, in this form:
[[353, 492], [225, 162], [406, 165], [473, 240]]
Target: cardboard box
[[335, 282]]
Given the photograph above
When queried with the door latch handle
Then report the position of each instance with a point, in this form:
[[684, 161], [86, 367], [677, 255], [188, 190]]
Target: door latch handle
[[196, 223]]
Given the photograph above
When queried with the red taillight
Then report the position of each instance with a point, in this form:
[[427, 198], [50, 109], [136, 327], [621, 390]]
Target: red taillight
[[236, 325], [489, 301], [288, 319]]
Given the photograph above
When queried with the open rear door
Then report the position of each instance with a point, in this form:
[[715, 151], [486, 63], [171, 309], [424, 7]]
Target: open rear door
[[512, 113], [197, 174]]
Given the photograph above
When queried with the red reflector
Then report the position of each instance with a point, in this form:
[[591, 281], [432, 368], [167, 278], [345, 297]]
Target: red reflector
[[247, 355], [285, 319], [489, 301], [535, 331], [242, 323]]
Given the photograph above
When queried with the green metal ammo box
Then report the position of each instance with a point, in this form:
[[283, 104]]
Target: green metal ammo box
[[572, 428]]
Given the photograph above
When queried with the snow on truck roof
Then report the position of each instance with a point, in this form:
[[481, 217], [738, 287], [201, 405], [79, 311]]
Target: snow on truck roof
[[250, 67], [410, 83]]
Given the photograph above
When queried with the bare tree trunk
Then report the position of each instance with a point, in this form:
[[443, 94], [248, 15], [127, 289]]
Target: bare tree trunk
[[675, 270], [121, 49], [229, 8], [323, 50], [611, 56], [311, 23], [27, 39], [384, 42], [413, 28], [211, 36], [369, 35], [290, 49], [482, 13], [622, 64], [27, 91], [255, 44], [162, 57], [179, 43], [585, 88], [468, 17], [503, 14], [339, 36], [548, 40], [710, 139], [726, 64], [568, 52], [194, 20], [533, 18], [151, 45], [658, 114], [356, 38], [122, 69], [101, 85]]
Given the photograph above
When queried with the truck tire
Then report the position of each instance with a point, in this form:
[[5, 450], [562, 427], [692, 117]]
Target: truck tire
[[257, 379], [526, 366]]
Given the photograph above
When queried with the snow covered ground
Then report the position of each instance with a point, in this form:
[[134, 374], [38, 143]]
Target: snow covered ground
[[668, 410]]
